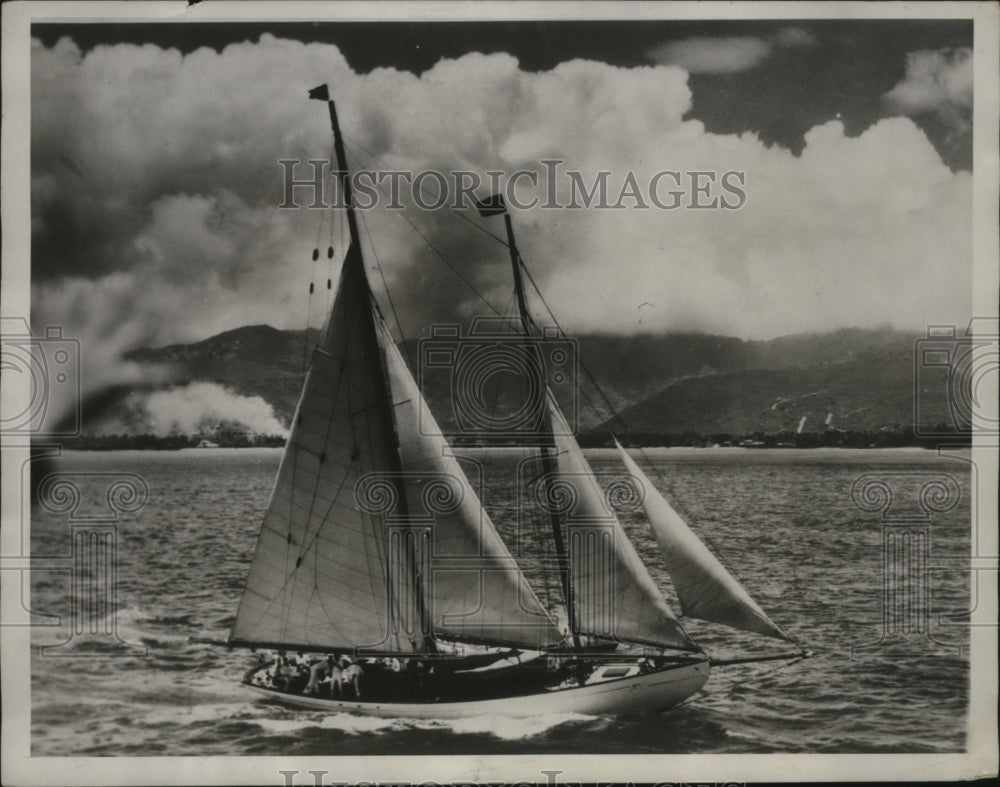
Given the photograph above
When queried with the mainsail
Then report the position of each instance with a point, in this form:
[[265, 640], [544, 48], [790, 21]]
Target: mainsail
[[476, 590], [319, 577], [705, 589], [613, 593]]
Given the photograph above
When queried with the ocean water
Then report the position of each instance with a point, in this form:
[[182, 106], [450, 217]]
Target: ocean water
[[783, 520]]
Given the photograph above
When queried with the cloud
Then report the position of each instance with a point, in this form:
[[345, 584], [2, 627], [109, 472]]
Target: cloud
[[794, 37], [166, 227], [938, 85], [936, 81], [729, 54], [713, 55]]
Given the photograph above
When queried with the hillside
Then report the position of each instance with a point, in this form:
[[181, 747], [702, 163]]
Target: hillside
[[868, 394], [850, 379], [256, 360]]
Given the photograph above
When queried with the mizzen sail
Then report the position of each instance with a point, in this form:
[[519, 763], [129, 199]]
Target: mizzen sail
[[476, 590], [613, 593], [706, 590]]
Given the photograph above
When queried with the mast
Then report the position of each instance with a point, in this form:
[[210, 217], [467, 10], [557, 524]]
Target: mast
[[322, 93], [343, 173], [549, 467]]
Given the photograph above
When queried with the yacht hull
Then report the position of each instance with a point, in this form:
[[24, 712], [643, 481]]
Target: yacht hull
[[638, 694]]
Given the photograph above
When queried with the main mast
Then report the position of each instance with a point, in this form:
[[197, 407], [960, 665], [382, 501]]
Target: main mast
[[423, 634]]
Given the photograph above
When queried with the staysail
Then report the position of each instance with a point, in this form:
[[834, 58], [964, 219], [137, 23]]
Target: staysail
[[613, 593], [476, 589], [319, 576], [705, 588]]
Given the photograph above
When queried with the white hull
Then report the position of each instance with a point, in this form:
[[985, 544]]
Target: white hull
[[645, 693]]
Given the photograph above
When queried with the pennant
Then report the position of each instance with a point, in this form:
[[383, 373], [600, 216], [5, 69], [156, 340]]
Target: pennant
[[320, 93]]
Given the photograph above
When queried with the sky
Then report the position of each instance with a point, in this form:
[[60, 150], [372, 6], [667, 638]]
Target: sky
[[156, 183]]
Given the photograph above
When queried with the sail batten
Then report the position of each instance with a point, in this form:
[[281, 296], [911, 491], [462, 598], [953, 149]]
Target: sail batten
[[705, 588], [488, 601], [614, 595]]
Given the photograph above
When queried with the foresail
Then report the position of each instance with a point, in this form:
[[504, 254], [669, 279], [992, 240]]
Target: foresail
[[477, 591], [706, 590], [613, 593], [319, 575]]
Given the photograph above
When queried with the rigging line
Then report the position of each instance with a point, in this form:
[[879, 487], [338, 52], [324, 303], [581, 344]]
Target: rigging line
[[319, 470], [615, 415], [312, 283], [413, 588], [606, 400], [452, 208], [441, 254], [344, 241], [376, 524], [329, 618], [305, 547], [508, 316], [333, 157], [451, 265], [388, 294]]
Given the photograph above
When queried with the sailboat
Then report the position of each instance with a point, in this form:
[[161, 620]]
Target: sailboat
[[377, 557]]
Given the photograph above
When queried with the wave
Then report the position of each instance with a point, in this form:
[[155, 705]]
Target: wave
[[499, 726]]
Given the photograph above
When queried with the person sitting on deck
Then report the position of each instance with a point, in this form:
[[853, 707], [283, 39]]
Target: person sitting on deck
[[283, 674], [350, 674], [318, 672]]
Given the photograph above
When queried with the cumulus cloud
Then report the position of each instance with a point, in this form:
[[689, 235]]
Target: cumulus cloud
[[727, 54], [166, 227], [938, 87], [722, 55], [794, 37], [936, 81]]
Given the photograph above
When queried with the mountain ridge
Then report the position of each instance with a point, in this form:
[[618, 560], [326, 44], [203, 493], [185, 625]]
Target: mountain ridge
[[671, 383]]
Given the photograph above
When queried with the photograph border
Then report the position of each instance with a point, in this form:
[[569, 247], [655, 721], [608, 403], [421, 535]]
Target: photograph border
[[20, 768]]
